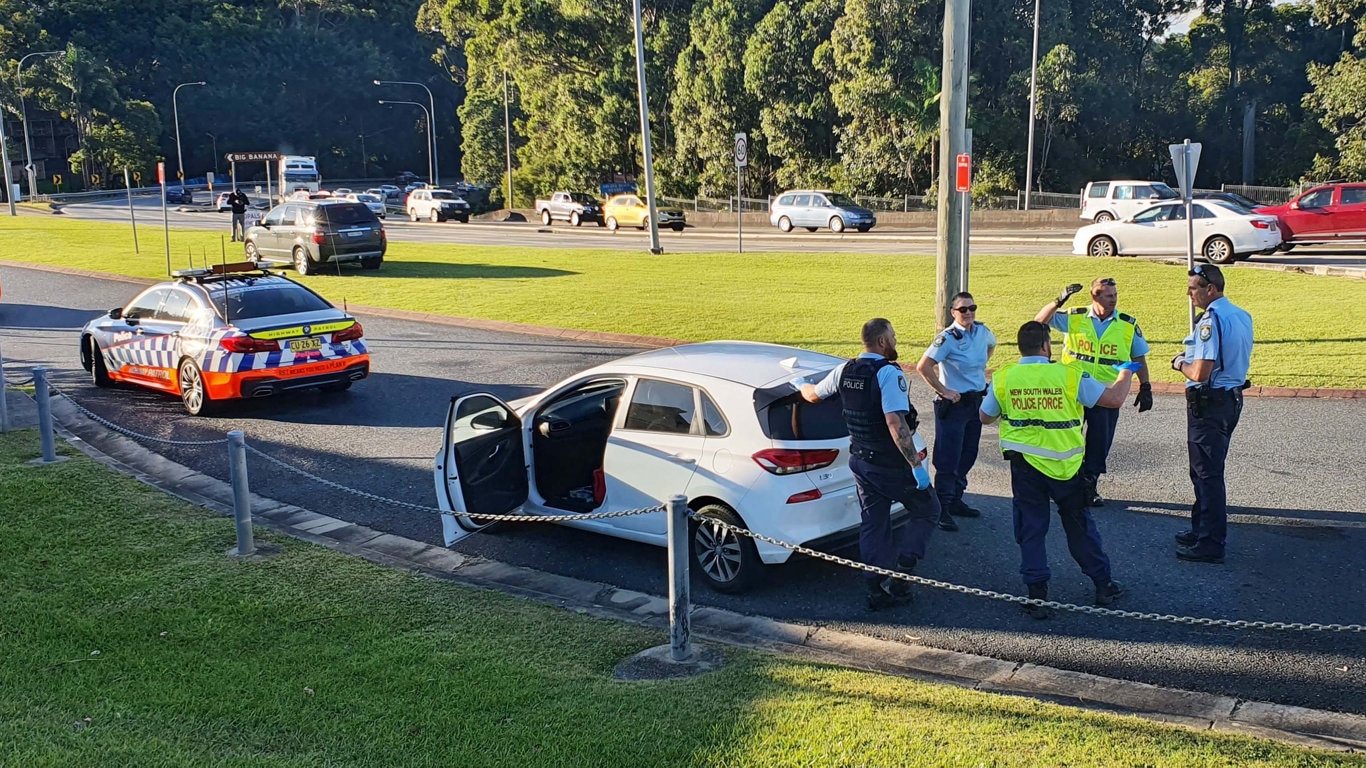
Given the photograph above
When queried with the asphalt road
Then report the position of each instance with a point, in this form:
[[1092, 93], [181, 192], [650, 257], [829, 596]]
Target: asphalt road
[[1295, 552], [883, 239]]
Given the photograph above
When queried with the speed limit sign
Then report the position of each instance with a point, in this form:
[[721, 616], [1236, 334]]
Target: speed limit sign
[[741, 150]]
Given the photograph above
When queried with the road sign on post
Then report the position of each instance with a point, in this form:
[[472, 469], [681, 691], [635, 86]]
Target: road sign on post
[[161, 173], [1185, 159], [741, 150], [964, 175], [741, 160]]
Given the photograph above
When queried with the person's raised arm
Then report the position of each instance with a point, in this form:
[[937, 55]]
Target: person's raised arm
[[1046, 313]]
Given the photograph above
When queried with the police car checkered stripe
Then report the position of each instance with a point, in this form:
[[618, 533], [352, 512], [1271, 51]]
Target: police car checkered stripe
[[222, 361]]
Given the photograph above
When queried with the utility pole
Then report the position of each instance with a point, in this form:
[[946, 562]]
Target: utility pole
[[953, 113], [645, 132]]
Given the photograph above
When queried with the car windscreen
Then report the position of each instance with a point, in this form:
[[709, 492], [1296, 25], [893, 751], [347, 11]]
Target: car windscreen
[[579, 197], [844, 201], [367, 198], [254, 300], [444, 195], [342, 215], [1164, 192], [784, 415], [1241, 210]]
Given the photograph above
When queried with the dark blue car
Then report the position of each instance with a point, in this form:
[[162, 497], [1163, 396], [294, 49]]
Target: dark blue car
[[179, 195]]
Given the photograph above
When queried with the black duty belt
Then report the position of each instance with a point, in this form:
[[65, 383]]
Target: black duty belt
[[880, 459], [1096, 360]]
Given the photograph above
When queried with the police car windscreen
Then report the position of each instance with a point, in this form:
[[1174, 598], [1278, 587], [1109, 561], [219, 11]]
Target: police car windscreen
[[252, 301], [789, 417]]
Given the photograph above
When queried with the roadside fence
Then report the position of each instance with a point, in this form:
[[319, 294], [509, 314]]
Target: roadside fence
[[679, 518]]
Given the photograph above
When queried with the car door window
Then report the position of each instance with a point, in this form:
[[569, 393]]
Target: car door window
[[1124, 192], [1201, 212], [785, 200], [1175, 212], [661, 406], [713, 422], [1158, 213], [274, 218], [1317, 199], [145, 306], [1353, 195], [177, 307], [1100, 189], [802, 201]]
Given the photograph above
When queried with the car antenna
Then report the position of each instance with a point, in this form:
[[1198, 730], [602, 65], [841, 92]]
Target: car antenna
[[227, 312], [189, 255]]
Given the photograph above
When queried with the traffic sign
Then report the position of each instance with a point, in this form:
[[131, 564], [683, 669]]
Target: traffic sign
[[180, 174], [94, 178], [1185, 175], [57, 179], [161, 173], [137, 176], [963, 177], [249, 157], [741, 150]]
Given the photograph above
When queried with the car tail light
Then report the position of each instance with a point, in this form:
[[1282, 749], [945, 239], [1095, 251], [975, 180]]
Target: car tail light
[[243, 344], [811, 495], [1259, 224], [319, 237], [789, 461], [383, 236], [348, 334]]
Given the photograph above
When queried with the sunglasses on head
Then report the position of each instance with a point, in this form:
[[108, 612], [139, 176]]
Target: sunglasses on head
[[1110, 281], [968, 308]]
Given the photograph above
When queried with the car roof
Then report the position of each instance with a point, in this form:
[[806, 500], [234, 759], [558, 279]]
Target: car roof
[[751, 363], [807, 192]]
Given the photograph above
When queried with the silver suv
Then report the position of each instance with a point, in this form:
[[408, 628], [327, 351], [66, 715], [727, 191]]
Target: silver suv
[[1110, 200], [437, 205], [816, 208]]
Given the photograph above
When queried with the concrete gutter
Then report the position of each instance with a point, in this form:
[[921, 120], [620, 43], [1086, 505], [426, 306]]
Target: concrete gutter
[[1299, 726]]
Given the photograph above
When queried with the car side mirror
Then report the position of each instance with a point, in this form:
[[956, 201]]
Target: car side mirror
[[116, 313], [488, 420], [1295, 206]]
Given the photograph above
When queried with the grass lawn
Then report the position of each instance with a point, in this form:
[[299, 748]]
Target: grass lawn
[[130, 638], [1309, 331]]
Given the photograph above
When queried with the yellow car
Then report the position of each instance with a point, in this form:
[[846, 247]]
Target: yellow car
[[631, 211]]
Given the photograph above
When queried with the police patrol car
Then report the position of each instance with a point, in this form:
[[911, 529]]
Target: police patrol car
[[227, 332]]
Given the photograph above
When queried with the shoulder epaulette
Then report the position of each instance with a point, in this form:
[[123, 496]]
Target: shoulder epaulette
[[1078, 310], [1130, 319]]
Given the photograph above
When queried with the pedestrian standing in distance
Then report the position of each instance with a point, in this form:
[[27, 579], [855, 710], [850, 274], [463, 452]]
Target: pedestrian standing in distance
[[955, 367], [1040, 405], [1096, 339], [1215, 362], [239, 202], [885, 460]]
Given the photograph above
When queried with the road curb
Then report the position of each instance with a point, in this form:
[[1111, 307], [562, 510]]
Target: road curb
[[1319, 729], [653, 342]]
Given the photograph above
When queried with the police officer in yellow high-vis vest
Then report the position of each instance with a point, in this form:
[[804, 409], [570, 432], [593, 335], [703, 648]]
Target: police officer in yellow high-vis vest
[[1097, 338], [1039, 404]]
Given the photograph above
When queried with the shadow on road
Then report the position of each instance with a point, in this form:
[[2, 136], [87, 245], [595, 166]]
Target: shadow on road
[[37, 317]]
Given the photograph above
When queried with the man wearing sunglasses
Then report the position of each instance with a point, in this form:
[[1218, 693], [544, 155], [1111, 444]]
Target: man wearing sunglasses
[[1095, 339], [1215, 363], [955, 367]]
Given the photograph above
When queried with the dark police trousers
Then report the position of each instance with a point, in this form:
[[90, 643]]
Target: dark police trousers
[[878, 486], [1209, 427], [1100, 434], [1031, 491], [957, 432]]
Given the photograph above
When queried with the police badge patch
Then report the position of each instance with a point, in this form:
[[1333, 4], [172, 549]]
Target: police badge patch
[[1205, 333], [901, 382], [939, 340]]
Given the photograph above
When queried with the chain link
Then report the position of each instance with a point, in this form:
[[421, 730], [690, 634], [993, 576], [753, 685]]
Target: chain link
[[137, 435], [438, 510], [1004, 597]]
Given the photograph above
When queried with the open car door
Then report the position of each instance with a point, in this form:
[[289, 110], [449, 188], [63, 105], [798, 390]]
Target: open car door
[[482, 467]]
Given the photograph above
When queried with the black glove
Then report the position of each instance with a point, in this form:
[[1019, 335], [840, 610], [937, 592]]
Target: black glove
[[1067, 293], [1144, 400]]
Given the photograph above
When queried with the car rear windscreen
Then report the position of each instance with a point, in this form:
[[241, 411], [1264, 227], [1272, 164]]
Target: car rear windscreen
[[784, 415], [343, 215], [247, 302]]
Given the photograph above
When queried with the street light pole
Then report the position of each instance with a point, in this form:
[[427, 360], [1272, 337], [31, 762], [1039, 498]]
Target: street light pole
[[644, 98], [507, 136], [23, 111], [431, 127], [4, 159], [175, 111], [1033, 110], [431, 159], [215, 151]]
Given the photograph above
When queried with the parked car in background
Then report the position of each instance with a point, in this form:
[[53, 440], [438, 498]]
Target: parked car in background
[[631, 211], [1111, 200], [437, 205], [221, 203], [1332, 213], [1224, 232], [573, 207], [341, 191], [374, 202], [179, 195], [722, 423], [816, 208], [310, 233], [1229, 197], [408, 189], [391, 192]]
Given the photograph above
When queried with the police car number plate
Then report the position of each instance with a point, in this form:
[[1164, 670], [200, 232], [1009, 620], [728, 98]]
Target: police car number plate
[[305, 345]]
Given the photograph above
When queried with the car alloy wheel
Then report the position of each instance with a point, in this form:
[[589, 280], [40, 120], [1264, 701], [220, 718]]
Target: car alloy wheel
[[412, 214], [253, 255], [727, 561], [1218, 250], [192, 392], [303, 263], [575, 219], [836, 224], [1101, 247], [1104, 216], [434, 216], [545, 217], [785, 224], [612, 223]]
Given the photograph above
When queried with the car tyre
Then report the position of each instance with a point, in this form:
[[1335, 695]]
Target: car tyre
[[1104, 216], [612, 224], [865, 228], [1219, 250], [1285, 247], [99, 372], [575, 219], [785, 224], [545, 217], [676, 227], [303, 263], [1102, 247], [836, 224], [253, 255], [434, 216], [412, 214], [645, 223], [371, 263], [193, 394], [726, 561]]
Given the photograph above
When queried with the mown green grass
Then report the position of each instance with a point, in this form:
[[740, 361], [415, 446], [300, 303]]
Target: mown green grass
[[1309, 329], [129, 637]]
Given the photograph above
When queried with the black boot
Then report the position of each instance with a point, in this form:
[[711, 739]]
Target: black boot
[[1038, 591], [1108, 592]]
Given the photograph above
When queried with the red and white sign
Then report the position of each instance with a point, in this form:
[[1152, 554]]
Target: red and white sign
[[161, 173], [964, 174]]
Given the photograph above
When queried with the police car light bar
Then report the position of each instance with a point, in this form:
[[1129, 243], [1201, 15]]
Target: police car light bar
[[217, 269]]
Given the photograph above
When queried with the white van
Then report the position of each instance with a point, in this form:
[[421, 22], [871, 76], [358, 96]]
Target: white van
[[1111, 200]]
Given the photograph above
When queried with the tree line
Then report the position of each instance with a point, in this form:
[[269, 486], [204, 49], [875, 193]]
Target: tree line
[[838, 93]]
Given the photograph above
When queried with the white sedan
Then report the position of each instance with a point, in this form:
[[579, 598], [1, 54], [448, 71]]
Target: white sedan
[[1224, 232], [721, 423]]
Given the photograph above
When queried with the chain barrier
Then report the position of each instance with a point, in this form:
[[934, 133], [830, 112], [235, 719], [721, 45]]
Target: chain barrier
[[10, 383], [424, 508], [136, 435], [1008, 598]]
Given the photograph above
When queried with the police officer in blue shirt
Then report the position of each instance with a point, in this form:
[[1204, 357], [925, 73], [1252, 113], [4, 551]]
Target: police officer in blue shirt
[[1215, 362], [884, 459], [955, 367]]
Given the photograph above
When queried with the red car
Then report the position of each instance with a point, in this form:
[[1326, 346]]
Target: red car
[[1331, 213]]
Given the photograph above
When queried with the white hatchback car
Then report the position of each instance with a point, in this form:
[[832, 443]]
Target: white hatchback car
[[1223, 232], [721, 423]]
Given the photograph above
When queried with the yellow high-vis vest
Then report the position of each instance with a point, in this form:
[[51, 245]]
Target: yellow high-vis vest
[[1041, 416], [1096, 356]]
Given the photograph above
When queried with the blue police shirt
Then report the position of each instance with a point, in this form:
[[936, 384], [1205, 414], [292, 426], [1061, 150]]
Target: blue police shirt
[[962, 356], [1223, 334], [1139, 348], [1088, 392], [895, 396]]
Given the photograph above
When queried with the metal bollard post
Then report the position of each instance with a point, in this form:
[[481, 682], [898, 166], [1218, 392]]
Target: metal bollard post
[[241, 492], [40, 394], [4, 398], [680, 603]]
